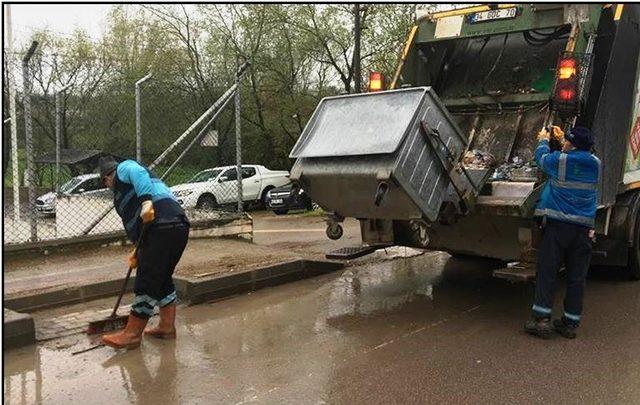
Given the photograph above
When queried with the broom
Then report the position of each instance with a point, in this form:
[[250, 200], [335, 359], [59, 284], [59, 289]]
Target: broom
[[115, 321]]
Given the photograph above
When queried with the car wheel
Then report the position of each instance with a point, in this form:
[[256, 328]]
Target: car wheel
[[207, 202], [263, 198], [280, 212]]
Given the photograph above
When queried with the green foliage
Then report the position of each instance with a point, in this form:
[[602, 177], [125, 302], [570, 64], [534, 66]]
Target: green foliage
[[299, 53]]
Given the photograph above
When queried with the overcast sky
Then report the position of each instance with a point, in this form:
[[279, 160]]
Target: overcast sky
[[61, 18]]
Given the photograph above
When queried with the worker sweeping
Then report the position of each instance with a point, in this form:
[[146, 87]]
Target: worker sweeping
[[568, 209], [146, 204]]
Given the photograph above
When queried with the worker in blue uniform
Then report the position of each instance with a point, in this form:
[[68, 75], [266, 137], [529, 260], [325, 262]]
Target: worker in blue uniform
[[567, 209], [148, 208]]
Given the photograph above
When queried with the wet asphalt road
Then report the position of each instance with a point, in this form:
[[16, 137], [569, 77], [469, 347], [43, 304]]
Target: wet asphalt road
[[427, 329]]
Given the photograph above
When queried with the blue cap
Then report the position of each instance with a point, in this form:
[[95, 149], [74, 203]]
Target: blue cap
[[580, 137]]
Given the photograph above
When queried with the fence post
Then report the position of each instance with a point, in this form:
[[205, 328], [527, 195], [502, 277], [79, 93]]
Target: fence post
[[15, 180], [138, 123], [26, 77], [59, 115], [238, 144]]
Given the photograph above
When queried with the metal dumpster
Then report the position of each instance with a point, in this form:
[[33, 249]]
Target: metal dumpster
[[365, 156]]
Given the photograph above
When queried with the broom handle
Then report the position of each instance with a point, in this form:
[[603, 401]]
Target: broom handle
[[126, 279], [124, 287]]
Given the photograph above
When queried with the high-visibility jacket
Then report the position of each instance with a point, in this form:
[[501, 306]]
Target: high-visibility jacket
[[571, 191], [135, 184]]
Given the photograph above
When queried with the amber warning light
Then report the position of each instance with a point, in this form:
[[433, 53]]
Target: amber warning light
[[567, 69], [376, 81]]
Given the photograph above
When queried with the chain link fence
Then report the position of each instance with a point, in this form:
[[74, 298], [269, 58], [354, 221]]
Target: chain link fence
[[69, 114]]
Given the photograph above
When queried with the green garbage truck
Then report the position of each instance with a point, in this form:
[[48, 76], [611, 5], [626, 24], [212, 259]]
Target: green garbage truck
[[443, 156]]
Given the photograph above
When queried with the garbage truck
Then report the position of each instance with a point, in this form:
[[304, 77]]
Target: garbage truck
[[443, 157]]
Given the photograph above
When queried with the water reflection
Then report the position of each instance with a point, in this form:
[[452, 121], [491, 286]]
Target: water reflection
[[23, 379], [385, 286], [148, 371]]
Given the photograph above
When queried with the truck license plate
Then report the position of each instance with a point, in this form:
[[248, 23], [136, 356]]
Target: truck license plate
[[489, 15], [276, 201]]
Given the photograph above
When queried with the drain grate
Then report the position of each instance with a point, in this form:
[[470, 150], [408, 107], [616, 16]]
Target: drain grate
[[517, 273], [353, 252]]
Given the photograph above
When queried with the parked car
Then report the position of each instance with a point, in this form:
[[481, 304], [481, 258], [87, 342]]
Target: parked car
[[83, 184], [288, 197], [218, 186]]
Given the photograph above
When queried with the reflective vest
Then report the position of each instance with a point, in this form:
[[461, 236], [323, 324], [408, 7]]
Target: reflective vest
[[571, 191], [134, 184]]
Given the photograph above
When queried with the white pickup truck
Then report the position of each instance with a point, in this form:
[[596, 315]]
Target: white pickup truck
[[218, 186]]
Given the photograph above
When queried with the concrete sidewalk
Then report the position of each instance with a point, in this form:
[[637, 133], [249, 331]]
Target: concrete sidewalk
[[63, 271], [203, 257]]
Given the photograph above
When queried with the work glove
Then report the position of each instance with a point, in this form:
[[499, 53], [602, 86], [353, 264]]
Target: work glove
[[147, 213], [543, 134], [133, 260], [557, 133]]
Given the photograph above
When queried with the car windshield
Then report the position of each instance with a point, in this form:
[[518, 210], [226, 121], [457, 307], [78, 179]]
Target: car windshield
[[70, 185], [205, 176]]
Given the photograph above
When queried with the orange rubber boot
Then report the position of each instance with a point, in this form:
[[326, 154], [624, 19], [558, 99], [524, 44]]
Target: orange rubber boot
[[166, 328], [130, 337]]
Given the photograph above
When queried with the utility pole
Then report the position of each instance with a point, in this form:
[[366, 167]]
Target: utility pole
[[14, 122], [357, 73]]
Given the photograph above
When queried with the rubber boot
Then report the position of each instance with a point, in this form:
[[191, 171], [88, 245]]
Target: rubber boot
[[166, 328], [130, 337]]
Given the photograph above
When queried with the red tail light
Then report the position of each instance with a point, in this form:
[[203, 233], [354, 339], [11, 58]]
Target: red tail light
[[376, 81], [566, 95]]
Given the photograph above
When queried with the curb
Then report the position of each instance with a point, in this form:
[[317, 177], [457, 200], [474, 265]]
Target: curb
[[67, 296], [195, 291], [18, 329], [190, 290]]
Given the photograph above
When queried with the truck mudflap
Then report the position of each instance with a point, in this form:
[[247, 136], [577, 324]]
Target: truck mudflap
[[392, 155]]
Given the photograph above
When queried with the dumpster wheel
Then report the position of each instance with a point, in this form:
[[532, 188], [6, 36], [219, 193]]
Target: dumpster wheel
[[334, 231]]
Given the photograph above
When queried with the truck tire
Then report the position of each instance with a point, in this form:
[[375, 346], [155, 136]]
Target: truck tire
[[633, 267], [207, 202]]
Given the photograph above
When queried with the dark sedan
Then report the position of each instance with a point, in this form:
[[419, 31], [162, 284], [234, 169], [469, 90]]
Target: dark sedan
[[288, 197]]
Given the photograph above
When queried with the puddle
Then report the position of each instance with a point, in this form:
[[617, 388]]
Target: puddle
[[280, 342], [386, 286]]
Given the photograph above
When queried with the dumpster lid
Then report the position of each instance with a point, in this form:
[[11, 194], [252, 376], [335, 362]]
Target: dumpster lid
[[359, 124]]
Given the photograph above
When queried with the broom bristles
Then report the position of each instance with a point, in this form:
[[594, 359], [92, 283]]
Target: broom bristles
[[107, 325]]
